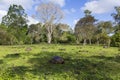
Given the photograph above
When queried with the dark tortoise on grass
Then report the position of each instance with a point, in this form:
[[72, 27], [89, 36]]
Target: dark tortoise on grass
[[57, 60]]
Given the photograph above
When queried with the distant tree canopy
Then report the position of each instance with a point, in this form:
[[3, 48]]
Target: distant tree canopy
[[14, 28]]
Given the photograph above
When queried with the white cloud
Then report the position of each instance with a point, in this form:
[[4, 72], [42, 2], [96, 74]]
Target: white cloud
[[75, 21], [32, 20], [66, 11], [101, 6], [2, 13], [59, 2], [69, 11], [73, 10], [27, 4]]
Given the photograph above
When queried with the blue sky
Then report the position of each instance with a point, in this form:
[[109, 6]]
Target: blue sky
[[73, 9]]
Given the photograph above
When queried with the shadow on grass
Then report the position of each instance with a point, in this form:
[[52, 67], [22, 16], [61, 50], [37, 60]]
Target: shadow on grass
[[17, 70], [9, 72], [74, 68], [80, 69], [15, 55], [1, 61], [116, 58]]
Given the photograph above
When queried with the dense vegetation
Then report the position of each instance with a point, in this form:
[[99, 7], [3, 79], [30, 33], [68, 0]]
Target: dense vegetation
[[31, 62], [15, 30]]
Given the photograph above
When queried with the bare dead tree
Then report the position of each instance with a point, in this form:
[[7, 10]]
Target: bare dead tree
[[49, 14]]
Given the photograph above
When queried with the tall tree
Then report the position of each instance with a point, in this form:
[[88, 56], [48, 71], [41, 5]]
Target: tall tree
[[49, 14], [16, 16], [116, 16], [16, 21], [116, 37], [84, 28]]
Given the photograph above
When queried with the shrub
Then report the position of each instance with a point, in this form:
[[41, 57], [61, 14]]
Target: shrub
[[115, 40]]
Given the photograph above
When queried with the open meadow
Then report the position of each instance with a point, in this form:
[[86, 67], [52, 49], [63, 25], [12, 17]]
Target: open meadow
[[31, 62], [59, 39]]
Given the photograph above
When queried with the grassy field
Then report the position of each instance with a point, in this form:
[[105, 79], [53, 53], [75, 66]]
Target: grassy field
[[31, 62]]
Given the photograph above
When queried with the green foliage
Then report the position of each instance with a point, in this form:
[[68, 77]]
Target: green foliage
[[37, 33], [115, 40], [28, 40], [71, 38], [103, 30], [105, 27], [16, 22], [63, 34], [6, 38], [14, 29], [117, 29], [116, 15], [15, 17], [85, 28], [66, 37]]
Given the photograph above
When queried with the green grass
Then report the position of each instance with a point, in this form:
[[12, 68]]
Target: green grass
[[31, 62]]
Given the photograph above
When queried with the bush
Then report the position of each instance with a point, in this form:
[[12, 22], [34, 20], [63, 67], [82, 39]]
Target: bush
[[7, 39], [28, 40], [115, 40]]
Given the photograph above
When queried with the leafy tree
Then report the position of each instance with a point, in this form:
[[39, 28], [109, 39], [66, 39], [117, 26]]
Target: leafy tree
[[84, 28], [61, 33], [16, 17], [116, 16], [115, 39], [37, 33], [103, 30], [67, 37], [16, 21], [49, 14]]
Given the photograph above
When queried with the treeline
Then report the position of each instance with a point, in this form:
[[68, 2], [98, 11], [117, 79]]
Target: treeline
[[88, 30]]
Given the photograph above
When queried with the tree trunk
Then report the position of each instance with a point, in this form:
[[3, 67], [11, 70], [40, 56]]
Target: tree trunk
[[109, 41], [49, 38], [77, 41], [90, 41], [84, 43], [98, 42]]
